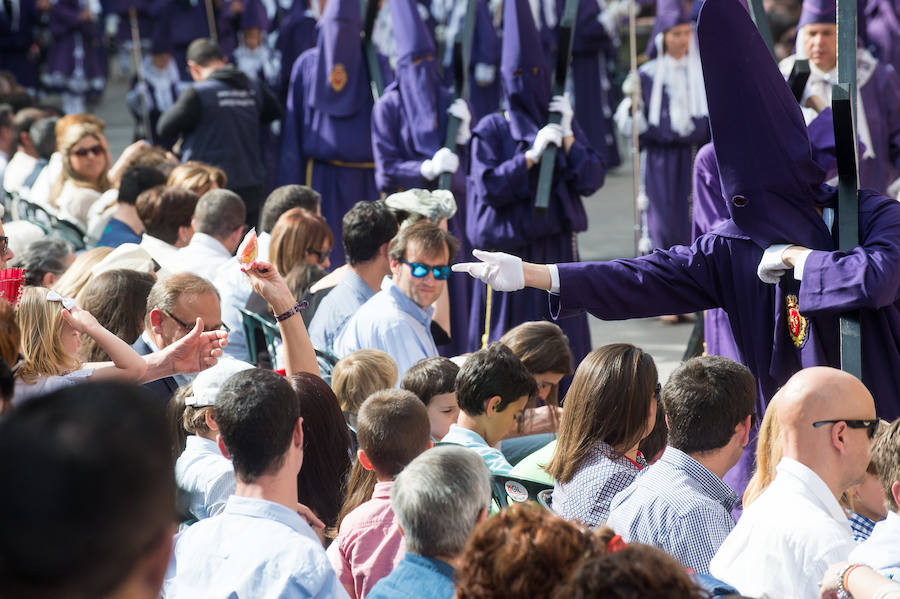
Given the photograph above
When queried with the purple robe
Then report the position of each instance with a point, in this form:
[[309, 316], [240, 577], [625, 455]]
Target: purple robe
[[16, 40], [591, 83], [186, 22], [485, 98], [710, 211], [76, 61], [667, 158], [883, 31], [719, 270], [333, 155], [296, 34], [881, 96], [500, 216]]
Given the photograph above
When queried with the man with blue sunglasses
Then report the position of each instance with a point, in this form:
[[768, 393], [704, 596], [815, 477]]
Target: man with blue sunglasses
[[397, 319]]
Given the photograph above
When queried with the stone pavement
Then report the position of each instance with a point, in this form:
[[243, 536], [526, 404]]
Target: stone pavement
[[610, 235]]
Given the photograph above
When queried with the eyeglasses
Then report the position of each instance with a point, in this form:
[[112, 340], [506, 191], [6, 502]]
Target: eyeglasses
[[322, 256], [4, 245], [95, 150], [419, 270], [871, 426], [188, 327]]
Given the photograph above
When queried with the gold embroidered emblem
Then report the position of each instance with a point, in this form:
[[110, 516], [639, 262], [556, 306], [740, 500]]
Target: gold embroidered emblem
[[797, 324], [338, 77]]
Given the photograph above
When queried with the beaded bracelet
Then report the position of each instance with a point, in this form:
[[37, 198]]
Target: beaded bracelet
[[296, 309], [843, 593]]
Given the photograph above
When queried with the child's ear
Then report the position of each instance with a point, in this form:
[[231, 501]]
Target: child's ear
[[364, 460], [491, 405]]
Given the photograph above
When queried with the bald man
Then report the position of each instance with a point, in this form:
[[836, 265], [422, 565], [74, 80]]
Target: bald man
[[789, 536]]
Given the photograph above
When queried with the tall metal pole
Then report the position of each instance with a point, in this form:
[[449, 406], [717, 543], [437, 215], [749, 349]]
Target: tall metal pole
[[843, 99], [147, 131], [635, 147]]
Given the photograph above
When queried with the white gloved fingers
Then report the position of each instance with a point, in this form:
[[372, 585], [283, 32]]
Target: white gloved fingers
[[485, 73], [554, 134], [632, 84], [771, 267], [503, 272], [448, 162], [463, 134], [460, 109], [429, 170]]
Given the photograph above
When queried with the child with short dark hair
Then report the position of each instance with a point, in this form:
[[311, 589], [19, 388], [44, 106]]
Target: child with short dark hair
[[493, 388], [392, 429], [433, 380]]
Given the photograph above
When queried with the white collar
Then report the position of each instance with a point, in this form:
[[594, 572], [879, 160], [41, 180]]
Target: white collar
[[803, 479], [209, 242]]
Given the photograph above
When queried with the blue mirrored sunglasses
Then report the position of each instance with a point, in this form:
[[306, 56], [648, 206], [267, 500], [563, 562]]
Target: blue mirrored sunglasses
[[419, 270]]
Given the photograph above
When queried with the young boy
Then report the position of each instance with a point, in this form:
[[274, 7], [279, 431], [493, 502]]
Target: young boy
[[433, 380], [392, 429], [492, 390], [881, 551]]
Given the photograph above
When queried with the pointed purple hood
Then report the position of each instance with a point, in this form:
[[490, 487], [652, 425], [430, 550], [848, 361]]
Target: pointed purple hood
[[669, 13], [523, 70], [254, 16], [817, 11], [769, 179], [417, 76], [341, 85]]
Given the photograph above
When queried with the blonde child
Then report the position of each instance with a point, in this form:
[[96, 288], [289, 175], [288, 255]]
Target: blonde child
[[51, 328]]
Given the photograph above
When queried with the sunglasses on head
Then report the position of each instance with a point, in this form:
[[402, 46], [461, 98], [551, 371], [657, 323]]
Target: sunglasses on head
[[95, 150], [419, 270], [871, 426]]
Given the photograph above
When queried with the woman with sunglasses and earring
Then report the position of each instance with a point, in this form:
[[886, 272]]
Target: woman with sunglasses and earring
[[85, 173]]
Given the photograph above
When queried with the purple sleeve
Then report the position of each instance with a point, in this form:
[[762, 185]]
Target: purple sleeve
[[583, 165], [868, 276], [675, 281], [290, 166], [392, 170], [499, 181]]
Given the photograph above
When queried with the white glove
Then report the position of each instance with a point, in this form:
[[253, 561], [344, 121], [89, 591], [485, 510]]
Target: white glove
[[484, 74], [771, 268], [141, 88], [460, 109], [443, 161], [632, 84], [550, 134], [562, 105], [503, 272]]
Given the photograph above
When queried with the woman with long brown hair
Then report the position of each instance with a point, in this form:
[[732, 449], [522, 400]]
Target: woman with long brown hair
[[610, 407]]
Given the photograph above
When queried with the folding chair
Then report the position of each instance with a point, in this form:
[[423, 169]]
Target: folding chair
[[253, 325]]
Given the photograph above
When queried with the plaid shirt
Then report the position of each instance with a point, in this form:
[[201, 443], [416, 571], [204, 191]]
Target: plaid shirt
[[679, 506], [602, 475], [861, 526]]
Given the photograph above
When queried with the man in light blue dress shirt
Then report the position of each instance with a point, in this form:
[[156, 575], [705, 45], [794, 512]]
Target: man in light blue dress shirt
[[260, 545], [680, 504], [397, 319], [367, 230]]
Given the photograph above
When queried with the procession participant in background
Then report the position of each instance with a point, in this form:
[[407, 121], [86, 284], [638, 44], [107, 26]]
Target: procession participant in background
[[18, 50], [503, 181], [672, 122], [76, 66], [878, 105], [160, 88], [326, 139], [297, 33]]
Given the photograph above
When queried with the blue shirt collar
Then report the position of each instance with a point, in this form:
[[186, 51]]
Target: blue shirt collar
[[355, 283], [267, 510], [709, 483], [407, 305], [431, 563]]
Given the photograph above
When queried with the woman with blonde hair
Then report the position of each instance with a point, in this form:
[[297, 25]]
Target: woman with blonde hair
[[51, 327], [610, 408], [85, 172], [768, 454], [197, 177]]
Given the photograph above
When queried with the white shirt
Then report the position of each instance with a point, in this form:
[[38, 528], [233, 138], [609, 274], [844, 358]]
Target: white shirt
[[165, 254], [206, 474], [881, 551], [20, 166], [254, 548], [786, 539], [203, 256]]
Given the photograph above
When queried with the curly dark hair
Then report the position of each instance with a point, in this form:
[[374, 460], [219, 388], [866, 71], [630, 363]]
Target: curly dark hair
[[524, 551], [636, 572]]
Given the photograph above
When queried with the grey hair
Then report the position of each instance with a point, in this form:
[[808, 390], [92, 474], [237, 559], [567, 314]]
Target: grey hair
[[166, 292], [219, 212], [42, 256], [438, 497]]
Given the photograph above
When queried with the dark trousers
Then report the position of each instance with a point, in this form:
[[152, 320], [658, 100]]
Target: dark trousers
[[253, 197]]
